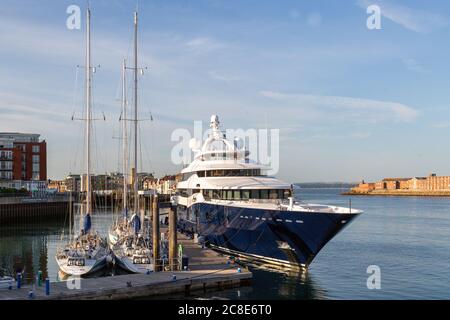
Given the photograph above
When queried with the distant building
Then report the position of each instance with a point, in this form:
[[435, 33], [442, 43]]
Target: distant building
[[430, 183], [102, 182], [57, 186], [165, 185], [23, 157], [72, 183]]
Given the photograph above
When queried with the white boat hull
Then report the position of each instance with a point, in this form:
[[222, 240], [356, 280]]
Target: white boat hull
[[7, 282], [127, 264], [91, 266]]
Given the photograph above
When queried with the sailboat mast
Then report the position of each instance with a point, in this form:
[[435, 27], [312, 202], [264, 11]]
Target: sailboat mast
[[136, 191], [125, 134], [88, 112]]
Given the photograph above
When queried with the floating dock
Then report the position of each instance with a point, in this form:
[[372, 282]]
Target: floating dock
[[207, 270]]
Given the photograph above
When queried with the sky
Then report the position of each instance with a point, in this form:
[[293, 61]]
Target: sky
[[350, 103]]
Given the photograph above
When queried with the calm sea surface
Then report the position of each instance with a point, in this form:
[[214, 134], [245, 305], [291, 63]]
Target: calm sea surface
[[407, 238]]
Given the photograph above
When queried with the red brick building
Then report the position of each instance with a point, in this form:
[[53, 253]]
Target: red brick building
[[430, 183], [22, 157]]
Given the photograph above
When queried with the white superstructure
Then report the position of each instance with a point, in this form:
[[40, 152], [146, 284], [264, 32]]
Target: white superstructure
[[222, 173]]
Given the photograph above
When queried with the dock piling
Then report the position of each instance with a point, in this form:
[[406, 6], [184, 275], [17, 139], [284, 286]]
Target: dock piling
[[173, 245], [156, 235]]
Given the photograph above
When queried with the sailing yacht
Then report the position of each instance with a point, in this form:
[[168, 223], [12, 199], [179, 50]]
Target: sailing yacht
[[132, 250], [87, 253], [121, 227]]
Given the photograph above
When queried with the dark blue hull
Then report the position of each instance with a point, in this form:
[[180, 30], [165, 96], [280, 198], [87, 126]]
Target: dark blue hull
[[285, 239]]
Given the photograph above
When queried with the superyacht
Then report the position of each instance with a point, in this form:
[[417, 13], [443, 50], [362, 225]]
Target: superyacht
[[232, 205]]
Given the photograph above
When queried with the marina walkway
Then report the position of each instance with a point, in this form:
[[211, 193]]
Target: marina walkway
[[207, 270]]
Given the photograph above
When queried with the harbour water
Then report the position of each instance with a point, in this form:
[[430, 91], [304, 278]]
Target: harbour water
[[407, 238]]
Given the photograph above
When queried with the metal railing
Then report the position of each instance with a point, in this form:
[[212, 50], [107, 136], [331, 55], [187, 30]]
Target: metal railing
[[165, 265]]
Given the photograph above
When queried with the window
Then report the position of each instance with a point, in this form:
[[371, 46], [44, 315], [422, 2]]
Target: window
[[255, 194], [245, 195], [273, 194], [36, 159], [36, 149], [6, 165], [186, 176], [264, 194], [229, 194], [201, 174], [6, 155], [7, 175], [237, 195], [280, 194], [216, 194], [232, 173], [36, 168]]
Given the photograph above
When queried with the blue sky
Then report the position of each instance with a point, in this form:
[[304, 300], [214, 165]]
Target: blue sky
[[351, 103]]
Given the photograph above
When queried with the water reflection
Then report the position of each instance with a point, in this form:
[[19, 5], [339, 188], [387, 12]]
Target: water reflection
[[268, 284], [25, 248]]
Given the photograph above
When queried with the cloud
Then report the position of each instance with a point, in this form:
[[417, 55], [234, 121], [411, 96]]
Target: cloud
[[441, 125], [413, 65], [32, 114], [372, 110], [216, 75], [411, 19], [204, 45]]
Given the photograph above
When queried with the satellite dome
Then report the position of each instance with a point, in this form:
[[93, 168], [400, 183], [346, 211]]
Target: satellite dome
[[215, 119]]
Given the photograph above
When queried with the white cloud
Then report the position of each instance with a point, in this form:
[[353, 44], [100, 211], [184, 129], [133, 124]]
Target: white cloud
[[411, 19], [366, 109], [204, 45], [413, 65], [441, 125], [220, 76]]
